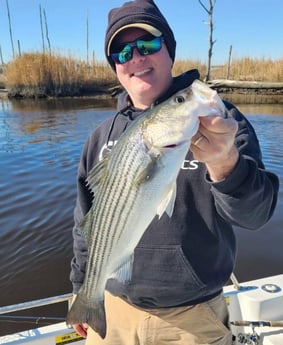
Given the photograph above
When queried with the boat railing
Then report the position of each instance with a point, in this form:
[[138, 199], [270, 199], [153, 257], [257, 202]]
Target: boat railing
[[36, 303]]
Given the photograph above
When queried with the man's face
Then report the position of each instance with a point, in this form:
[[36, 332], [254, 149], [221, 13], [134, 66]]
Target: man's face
[[144, 77]]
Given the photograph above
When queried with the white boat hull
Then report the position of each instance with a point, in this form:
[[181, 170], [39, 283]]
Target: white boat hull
[[57, 334], [251, 304], [258, 300]]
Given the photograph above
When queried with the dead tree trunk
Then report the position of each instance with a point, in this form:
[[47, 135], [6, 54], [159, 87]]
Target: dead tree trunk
[[87, 47], [209, 11], [229, 63], [10, 29], [1, 57], [19, 48], [41, 27], [46, 31]]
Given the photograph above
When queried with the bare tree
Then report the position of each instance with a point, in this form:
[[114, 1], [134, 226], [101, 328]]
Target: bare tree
[[10, 28], [87, 37], [1, 57], [209, 11], [19, 48], [229, 63], [46, 31], [41, 27]]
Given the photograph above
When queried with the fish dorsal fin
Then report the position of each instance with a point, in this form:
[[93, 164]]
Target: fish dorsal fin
[[96, 174], [124, 273], [83, 229], [94, 178], [168, 201]]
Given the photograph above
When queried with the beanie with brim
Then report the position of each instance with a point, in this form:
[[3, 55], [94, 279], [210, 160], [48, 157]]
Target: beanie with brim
[[143, 14]]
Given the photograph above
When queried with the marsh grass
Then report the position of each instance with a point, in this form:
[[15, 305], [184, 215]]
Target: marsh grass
[[54, 75], [248, 69], [240, 69]]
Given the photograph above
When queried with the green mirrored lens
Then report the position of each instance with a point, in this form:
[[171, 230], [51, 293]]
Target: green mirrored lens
[[126, 54], [149, 47], [144, 47]]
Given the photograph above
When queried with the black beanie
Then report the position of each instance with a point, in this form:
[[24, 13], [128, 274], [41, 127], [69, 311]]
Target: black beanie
[[139, 13]]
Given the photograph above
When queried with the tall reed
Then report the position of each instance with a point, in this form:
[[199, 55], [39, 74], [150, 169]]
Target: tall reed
[[43, 75], [249, 69], [245, 68]]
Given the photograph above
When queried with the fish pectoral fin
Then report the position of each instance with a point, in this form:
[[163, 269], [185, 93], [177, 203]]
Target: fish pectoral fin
[[168, 202], [90, 312], [124, 273], [149, 170]]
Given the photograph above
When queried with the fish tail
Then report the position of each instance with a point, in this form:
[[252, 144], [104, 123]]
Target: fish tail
[[90, 312], [97, 319]]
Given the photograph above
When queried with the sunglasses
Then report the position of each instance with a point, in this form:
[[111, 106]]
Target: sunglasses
[[144, 47]]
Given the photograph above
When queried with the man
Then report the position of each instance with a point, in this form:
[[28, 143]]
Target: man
[[181, 263]]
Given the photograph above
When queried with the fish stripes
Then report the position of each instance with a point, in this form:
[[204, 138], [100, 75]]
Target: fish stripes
[[114, 213]]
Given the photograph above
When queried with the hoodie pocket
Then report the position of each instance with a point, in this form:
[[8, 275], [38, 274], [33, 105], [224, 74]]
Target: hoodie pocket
[[164, 276]]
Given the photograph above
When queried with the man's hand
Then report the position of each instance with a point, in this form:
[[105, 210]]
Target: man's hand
[[81, 329], [213, 145]]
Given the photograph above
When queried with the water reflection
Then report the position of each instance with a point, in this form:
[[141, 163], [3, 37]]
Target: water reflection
[[52, 120], [59, 105]]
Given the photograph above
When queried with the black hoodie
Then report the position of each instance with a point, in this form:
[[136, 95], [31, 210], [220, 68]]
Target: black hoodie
[[188, 258]]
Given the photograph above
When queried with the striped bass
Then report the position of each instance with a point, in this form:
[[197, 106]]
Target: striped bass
[[133, 184]]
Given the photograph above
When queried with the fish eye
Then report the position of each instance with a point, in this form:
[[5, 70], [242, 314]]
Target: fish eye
[[179, 99]]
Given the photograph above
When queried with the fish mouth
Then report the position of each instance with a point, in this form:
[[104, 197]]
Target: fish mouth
[[170, 146], [161, 148], [174, 145]]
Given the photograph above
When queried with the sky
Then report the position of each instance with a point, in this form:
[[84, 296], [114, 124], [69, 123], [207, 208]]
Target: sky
[[253, 28]]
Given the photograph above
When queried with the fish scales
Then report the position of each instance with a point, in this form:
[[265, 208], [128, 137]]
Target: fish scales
[[125, 195], [109, 240], [120, 187], [136, 182]]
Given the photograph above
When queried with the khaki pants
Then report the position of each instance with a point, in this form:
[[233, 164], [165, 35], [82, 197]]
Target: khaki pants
[[201, 324]]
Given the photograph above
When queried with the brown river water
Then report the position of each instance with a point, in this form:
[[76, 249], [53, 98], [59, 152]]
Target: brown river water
[[40, 146]]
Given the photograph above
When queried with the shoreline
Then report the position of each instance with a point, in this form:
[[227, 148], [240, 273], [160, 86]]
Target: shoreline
[[249, 92], [248, 96], [230, 90]]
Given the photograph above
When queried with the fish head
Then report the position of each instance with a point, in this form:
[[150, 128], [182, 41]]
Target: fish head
[[207, 100], [172, 123]]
